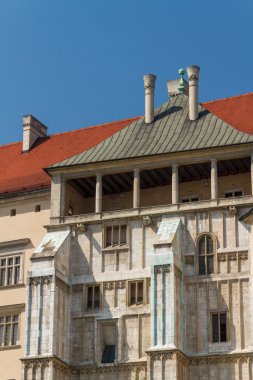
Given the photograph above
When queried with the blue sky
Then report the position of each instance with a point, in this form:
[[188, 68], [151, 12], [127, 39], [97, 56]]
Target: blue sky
[[77, 63]]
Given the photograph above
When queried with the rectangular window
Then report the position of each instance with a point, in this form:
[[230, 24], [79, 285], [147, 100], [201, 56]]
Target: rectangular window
[[10, 268], [233, 193], [93, 297], [115, 236], [108, 342], [136, 292], [190, 199], [9, 330], [219, 327]]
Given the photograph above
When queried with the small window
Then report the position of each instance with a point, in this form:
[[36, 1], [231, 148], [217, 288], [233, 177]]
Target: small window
[[108, 342], [136, 292], [206, 255], [37, 208], [219, 327], [9, 330], [10, 267], [108, 354], [233, 193], [93, 297], [190, 199], [115, 236], [13, 212]]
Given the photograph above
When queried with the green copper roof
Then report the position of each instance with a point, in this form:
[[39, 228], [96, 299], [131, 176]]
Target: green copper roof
[[171, 131]]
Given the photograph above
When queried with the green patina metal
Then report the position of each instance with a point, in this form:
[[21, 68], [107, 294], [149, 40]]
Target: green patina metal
[[181, 81]]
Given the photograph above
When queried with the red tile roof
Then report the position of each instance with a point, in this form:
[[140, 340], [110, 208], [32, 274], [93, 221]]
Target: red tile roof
[[22, 172], [236, 111]]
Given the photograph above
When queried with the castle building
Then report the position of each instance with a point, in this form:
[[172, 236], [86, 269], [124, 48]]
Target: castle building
[[125, 247]]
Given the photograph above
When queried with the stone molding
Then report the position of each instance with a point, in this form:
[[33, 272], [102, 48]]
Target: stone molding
[[40, 280], [119, 367], [165, 268], [232, 256]]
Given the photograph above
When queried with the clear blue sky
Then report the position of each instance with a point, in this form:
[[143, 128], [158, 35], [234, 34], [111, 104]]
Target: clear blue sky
[[75, 63]]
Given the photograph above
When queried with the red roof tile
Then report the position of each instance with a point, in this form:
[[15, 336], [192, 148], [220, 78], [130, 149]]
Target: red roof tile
[[21, 172], [236, 111]]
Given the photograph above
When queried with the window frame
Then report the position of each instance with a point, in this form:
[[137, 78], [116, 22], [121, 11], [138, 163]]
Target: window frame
[[114, 245], [214, 254], [7, 257], [144, 292], [188, 199], [219, 313], [233, 191], [11, 323], [93, 286]]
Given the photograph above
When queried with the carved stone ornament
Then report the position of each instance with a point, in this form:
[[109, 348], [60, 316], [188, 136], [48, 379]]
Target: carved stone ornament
[[40, 280], [122, 367], [222, 256], [162, 268], [243, 255], [232, 256], [193, 77], [120, 284], [109, 285]]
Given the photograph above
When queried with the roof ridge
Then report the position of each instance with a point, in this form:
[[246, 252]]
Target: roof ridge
[[227, 98], [79, 129], [94, 126]]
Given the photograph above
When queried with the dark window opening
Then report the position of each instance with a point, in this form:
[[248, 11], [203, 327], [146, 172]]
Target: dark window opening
[[108, 354], [37, 208], [13, 212], [206, 255], [219, 327], [93, 297], [115, 236], [136, 293]]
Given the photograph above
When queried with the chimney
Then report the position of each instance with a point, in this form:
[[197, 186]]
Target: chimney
[[149, 85], [32, 130], [193, 77]]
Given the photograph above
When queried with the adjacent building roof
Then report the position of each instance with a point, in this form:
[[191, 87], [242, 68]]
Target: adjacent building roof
[[24, 171], [172, 131]]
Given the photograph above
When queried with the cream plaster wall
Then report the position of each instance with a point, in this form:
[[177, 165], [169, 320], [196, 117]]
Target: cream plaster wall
[[26, 224]]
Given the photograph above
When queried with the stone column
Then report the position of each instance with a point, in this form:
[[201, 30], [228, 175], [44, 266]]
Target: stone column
[[98, 207], [57, 196], [214, 179], [149, 85], [252, 174], [136, 194], [174, 184]]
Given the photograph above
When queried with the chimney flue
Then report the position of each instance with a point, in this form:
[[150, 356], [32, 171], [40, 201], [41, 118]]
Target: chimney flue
[[193, 77], [32, 130], [149, 85]]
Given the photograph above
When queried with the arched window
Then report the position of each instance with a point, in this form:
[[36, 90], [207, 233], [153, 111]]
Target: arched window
[[206, 252]]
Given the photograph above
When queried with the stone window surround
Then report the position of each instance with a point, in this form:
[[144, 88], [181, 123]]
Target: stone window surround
[[85, 289], [12, 310], [14, 249], [145, 301], [214, 239], [101, 323], [233, 191], [116, 246], [219, 312]]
